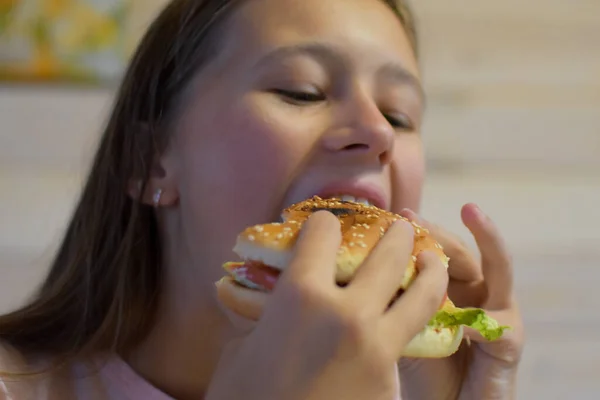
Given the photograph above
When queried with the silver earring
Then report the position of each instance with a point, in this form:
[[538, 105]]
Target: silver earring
[[156, 198]]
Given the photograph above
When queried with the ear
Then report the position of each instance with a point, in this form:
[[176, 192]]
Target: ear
[[161, 188]]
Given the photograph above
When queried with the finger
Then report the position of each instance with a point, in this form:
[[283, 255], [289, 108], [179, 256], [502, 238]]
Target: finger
[[463, 264], [507, 348], [415, 308], [495, 259], [382, 273], [244, 302], [315, 252], [508, 317], [467, 294]]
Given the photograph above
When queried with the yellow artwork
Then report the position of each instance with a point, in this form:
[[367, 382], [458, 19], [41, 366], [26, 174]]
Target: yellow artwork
[[64, 40]]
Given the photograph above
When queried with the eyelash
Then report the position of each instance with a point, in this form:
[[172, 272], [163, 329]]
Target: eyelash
[[403, 124], [298, 97], [304, 98]]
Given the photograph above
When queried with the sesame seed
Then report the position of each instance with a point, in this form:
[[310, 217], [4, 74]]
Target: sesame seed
[[414, 258], [251, 238], [351, 244], [362, 244], [287, 229], [259, 228], [360, 235], [265, 234], [279, 236]]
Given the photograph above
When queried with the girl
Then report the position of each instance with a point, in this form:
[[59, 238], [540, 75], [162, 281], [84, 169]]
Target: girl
[[229, 111]]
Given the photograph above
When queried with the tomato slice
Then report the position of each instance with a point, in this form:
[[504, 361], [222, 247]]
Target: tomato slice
[[253, 274]]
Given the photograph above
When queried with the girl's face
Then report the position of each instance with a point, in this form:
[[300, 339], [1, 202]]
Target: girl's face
[[305, 98]]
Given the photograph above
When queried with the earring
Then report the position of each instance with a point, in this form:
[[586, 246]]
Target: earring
[[156, 198]]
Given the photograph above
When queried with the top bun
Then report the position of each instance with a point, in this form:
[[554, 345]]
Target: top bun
[[362, 226]]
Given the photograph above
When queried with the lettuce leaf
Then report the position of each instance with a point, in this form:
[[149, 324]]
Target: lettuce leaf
[[475, 318]]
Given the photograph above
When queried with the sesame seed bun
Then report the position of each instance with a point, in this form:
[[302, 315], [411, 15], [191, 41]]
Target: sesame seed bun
[[362, 227]]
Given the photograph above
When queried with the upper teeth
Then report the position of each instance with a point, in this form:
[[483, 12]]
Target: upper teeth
[[347, 197]]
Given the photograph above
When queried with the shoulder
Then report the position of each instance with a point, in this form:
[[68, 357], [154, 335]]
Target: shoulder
[[18, 383], [12, 362], [99, 378]]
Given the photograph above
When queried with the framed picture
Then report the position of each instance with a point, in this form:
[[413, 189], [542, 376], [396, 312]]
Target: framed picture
[[64, 40]]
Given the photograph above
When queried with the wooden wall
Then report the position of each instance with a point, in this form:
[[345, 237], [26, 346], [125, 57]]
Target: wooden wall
[[513, 81]]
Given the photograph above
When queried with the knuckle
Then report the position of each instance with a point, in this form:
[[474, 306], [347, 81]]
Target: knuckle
[[354, 325], [355, 328], [511, 350], [381, 355], [378, 362], [432, 300], [301, 293]]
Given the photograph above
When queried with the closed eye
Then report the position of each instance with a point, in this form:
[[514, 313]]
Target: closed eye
[[299, 97], [400, 122]]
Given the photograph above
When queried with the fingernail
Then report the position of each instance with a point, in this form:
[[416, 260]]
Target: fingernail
[[220, 281], [410, 214], [479, 213], [405, 225]]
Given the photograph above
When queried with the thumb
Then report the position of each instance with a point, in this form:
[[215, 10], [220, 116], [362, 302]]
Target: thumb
[[244, 302], [506, 349]]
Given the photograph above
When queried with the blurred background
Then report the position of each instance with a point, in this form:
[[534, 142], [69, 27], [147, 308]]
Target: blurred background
[[513, 124]]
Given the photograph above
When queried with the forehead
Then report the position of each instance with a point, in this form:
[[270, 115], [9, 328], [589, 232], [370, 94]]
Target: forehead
[[364, 29]]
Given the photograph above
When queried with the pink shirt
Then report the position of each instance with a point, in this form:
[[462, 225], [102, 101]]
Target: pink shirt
[[111, 379]]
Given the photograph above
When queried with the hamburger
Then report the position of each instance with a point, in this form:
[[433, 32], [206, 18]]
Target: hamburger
[[267, 249]]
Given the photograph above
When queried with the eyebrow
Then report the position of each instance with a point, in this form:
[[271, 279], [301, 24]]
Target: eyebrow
[[400, 75], [392, 71]]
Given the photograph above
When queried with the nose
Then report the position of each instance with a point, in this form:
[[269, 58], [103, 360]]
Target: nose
[[361, 130]]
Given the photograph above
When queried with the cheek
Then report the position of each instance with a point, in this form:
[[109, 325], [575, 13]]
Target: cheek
[[408, 172], [239, 164]]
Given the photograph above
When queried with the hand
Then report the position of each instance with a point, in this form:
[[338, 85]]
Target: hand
[[483, 370], [316, 340]]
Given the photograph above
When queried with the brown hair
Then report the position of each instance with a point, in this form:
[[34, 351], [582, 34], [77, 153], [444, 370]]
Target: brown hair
[[103, 286]]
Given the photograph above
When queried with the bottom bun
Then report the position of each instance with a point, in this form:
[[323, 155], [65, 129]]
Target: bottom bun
[[434, 343]]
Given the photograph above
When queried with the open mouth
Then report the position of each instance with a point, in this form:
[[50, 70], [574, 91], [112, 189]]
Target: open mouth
[[357, 198], [348, 197]]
